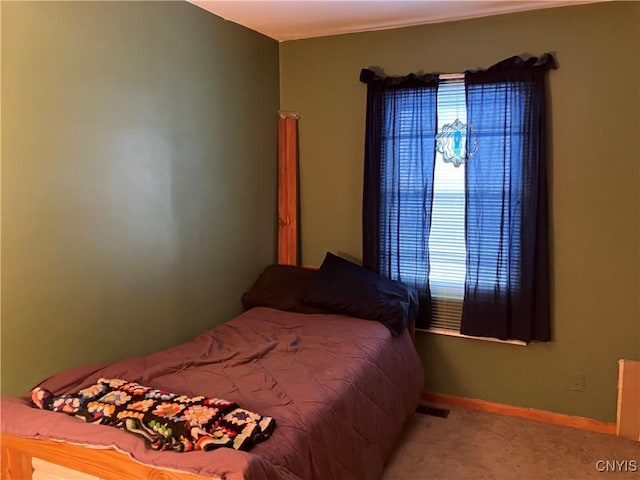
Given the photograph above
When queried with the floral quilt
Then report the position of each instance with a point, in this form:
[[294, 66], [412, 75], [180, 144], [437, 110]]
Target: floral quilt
[[165, 420]]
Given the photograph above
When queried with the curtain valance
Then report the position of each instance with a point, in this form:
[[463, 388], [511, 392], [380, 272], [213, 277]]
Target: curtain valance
[[413, 80], [513, 69], [510, 69]]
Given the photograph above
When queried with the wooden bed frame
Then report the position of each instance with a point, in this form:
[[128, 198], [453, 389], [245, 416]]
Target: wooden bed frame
[[105, 464]]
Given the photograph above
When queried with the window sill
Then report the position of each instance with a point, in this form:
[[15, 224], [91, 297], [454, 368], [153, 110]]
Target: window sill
[[452, 333]]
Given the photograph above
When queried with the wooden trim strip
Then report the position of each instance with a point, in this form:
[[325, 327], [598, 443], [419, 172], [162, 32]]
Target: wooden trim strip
[[522, 412], [288, 191]]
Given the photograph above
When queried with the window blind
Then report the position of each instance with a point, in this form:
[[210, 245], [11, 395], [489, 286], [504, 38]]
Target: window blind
[[447, 240]]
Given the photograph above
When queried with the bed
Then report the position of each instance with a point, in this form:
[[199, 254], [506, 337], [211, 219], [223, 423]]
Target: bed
[[340, 388]]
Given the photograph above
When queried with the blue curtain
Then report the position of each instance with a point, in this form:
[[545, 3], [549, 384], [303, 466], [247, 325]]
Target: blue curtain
[[507, 268], [401, 126]]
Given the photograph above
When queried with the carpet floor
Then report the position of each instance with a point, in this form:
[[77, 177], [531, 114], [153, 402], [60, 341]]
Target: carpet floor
[[476, 445]]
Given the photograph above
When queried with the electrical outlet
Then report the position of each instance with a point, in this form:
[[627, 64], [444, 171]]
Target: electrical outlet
[[577, 382]]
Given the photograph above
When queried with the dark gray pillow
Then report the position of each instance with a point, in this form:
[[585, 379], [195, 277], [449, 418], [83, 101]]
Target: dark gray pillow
[[344, 287], [281, 287]]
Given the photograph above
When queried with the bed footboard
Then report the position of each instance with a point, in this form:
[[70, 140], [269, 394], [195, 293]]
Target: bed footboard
[[105, 464]]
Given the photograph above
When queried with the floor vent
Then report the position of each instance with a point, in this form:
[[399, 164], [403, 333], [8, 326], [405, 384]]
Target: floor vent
[[433, 411]]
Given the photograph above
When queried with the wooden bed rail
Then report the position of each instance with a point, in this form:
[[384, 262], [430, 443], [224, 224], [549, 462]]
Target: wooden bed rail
[[105, 464]]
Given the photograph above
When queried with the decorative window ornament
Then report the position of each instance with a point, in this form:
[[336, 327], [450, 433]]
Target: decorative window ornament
[[451, 142]]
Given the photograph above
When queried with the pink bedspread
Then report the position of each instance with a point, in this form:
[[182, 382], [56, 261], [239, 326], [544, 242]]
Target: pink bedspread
[[340, 389]]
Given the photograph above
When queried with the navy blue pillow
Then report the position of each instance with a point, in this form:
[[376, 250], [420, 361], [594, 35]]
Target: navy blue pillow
[[344, 287]]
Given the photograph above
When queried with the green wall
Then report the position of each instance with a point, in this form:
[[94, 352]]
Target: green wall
[[138, 178], [594, 187]]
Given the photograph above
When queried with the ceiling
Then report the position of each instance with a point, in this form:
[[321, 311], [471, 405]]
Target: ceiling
[[295, 19]]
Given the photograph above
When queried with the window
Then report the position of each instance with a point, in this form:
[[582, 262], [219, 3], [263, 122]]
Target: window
[[455, 195], [447, 239]]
